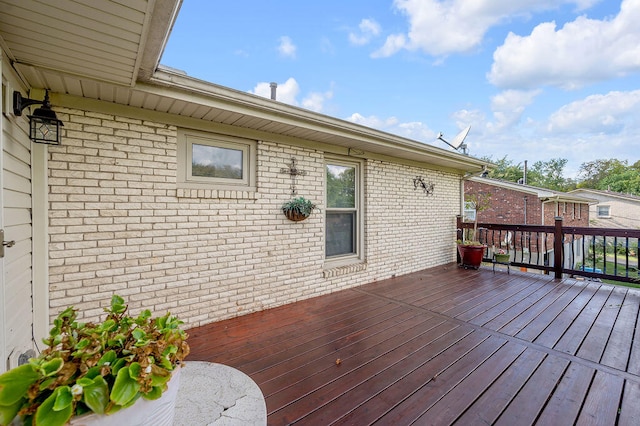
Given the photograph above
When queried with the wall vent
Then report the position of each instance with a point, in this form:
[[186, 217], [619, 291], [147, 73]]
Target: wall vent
[[19, 357]]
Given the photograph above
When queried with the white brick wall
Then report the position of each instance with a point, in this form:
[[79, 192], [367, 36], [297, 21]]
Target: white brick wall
[[119, 224]]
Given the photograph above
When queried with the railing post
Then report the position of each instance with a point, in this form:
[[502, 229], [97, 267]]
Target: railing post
[[557, 248], [459, 236]]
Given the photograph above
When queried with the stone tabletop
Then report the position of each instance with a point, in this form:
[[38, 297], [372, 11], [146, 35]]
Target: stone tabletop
[[216, 394]]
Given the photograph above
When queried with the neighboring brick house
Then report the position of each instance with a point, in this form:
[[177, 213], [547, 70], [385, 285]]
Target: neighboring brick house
[[122, 205], [518, 204], [612, 209]]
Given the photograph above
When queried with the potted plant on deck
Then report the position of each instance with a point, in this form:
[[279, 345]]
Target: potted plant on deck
[[501, 256], [98, 368], [471, 250], [298, 209]]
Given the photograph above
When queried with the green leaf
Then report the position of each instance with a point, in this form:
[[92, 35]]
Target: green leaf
[[117, 304], [96, 395], [160, 379], [47, 382], [83, 343], [117, 365], [124, 388], [92, 373], [84, 382], [138, 334], [9, 412], [64, 398], [108, 325], [109, 356], [15, 383], [47, 416], [134, 370], [49, 368], [155, 393]]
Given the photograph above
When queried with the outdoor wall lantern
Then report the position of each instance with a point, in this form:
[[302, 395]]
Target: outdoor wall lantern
[[44, 126]]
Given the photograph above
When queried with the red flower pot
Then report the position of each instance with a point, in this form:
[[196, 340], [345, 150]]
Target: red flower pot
[[471, 255]]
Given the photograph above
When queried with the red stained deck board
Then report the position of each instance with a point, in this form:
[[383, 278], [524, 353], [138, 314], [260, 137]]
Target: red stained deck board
[[443, 345]]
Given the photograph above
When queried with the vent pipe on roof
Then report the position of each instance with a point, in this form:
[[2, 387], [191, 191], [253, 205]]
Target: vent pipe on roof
[[524, 177], [274, 87]]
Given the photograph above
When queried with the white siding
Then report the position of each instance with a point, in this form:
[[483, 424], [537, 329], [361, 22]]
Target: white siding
[[16, 221]]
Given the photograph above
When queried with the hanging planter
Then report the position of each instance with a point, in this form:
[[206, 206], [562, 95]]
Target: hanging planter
[[298, 209]]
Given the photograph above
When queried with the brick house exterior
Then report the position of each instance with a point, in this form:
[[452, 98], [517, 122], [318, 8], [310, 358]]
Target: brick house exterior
[[517, 204], [611, 209], [512, 203], [119, 206], [119, 223]]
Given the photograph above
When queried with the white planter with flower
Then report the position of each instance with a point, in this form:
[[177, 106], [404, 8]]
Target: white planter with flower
[[92, 373]]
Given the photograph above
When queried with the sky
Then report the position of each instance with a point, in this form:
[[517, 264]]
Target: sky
[[535, 79]]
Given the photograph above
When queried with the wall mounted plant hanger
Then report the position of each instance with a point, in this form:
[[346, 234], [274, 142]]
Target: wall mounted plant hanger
[[419, 182]]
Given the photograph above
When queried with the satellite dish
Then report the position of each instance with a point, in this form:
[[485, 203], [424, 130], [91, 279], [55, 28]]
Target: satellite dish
[[458, 141]]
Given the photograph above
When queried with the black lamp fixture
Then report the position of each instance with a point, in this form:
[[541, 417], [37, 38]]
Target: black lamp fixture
[[44, 126]]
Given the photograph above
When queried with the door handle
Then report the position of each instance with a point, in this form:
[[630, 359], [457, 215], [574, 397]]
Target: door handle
[[5, 243]]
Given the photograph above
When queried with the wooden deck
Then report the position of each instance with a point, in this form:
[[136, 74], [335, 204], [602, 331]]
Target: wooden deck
[[443, 346]]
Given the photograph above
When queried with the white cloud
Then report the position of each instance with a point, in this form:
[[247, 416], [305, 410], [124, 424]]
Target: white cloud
[[286, 92], [289, 91], [414, 130], [369, 29], [440, 27], [286, 47], [393, 44], [373, 121], [314, 101], [596, 114], [581, 52], [508, 108]]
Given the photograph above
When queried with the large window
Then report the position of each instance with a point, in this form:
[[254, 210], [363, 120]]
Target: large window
[[343, 211], [208, 160]]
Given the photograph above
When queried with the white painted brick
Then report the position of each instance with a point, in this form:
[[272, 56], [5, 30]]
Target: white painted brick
[[212, 254]]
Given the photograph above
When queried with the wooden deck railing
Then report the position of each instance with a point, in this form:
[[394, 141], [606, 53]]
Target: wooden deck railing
[[596, 253]]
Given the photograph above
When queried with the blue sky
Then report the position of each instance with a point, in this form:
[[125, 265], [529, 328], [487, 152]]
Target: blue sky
[[535, 79]]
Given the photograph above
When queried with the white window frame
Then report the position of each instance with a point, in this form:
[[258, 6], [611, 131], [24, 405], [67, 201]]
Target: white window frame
[[188, 138], [603, 215], [359, 255], [469, 213]]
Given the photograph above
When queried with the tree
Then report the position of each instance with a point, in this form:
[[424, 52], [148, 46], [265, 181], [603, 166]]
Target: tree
[[505, 169], [611, 175], [592, 173], [549, 174]]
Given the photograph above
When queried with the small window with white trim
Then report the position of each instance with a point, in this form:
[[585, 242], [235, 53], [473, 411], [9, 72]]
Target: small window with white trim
[[211, 161], [604, 211], [469, 214]]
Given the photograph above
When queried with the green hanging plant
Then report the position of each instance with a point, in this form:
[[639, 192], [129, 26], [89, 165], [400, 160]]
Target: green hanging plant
[[298, 209]]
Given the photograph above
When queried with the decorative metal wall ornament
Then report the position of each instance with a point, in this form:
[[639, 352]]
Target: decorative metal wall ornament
[[294, 172], [426, 187]]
